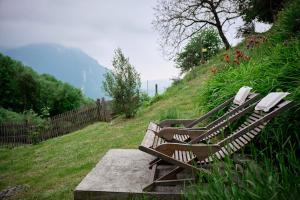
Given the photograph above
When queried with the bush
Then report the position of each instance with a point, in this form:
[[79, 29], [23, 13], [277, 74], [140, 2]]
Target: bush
[[192, 54], [7, 116], [123, 85], [145, 99]]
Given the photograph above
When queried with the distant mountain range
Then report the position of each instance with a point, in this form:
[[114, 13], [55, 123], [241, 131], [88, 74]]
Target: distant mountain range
[[66, 64]]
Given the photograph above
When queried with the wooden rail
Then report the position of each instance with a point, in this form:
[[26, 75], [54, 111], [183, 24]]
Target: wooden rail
[[14, 134]]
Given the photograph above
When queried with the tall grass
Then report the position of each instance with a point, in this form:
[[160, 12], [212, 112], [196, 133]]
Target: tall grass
[[170, 113]]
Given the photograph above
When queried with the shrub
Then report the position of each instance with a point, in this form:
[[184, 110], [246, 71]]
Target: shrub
[[123, 85], [145, 99]]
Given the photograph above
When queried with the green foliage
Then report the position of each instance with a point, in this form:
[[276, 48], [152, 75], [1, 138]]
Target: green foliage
[[192, 54], [7, 116], [287, 24], [123, 85], [145, 99], [247, 180], [23, 89], [40, 123], [262, 10]]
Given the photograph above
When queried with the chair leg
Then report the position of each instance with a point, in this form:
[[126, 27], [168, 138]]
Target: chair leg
[[174, 182], [157, 162], [154, 161], [171, 175]]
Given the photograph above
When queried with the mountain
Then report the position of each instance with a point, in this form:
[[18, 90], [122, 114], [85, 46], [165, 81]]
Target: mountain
[[66, 64]]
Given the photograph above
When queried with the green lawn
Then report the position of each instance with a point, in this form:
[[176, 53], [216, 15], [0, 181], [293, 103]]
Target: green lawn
[[52, 169]]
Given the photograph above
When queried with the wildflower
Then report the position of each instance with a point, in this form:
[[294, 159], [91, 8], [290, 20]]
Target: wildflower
[[226, 57], [214, 69]]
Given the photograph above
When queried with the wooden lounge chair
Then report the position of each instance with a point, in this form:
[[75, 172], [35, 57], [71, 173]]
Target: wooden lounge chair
[[163, 133], [184, 156]]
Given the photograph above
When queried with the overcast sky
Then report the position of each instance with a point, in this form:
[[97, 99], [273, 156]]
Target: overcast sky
[[97, 27]]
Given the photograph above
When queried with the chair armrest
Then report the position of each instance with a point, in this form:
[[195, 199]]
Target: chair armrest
[[201, 151], [170, 122], [168, 133]]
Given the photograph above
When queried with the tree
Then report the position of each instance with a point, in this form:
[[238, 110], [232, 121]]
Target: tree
[[178, 20], [262, 10], [192, 53], [31, 88], [123, 85]]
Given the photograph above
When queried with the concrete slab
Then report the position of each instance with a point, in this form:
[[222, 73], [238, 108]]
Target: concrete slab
[[121, 174]]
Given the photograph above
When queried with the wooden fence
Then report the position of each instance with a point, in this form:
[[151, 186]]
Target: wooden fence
[[13, 134]]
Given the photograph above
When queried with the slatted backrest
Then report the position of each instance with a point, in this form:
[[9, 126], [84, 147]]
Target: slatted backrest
[[222, 124], [234, 108], [252, 126]]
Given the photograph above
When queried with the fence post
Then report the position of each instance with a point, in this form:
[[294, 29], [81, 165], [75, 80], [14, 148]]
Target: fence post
[[104, 110], [99, 108]]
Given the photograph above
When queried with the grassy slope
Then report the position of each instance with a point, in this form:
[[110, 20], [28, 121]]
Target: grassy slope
[[52, 169]]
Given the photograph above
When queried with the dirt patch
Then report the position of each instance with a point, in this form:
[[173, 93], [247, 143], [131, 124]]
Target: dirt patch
[[10, 191]]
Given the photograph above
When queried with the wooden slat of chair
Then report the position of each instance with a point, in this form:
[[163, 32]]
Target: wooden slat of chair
[[185, 137], [232, 147], [250, 135], [182, 153], [235, 144], [180, 156], [221, 153], [148, 139], [242, 140], [155, 141], [225, 151], [218, 155], [180, 137], [187, 155], [160, 141], [253, 132], [246, 138]]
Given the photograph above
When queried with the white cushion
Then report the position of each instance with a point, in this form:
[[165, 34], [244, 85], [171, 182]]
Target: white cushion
[[270, 101], [241, 95]]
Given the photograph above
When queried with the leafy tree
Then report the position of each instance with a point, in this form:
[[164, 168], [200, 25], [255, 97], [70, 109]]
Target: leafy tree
[[262, 10], [178, 20], [123, 85], [192, 53]]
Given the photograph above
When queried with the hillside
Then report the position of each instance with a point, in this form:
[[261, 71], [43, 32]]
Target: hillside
[[66, 64], [52, 169]]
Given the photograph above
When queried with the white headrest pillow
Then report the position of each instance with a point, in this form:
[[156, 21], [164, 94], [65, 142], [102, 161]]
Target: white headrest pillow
[[241, 95], [270, 101]]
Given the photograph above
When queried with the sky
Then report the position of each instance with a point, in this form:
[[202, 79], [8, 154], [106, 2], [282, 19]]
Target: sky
[[97, 27]]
